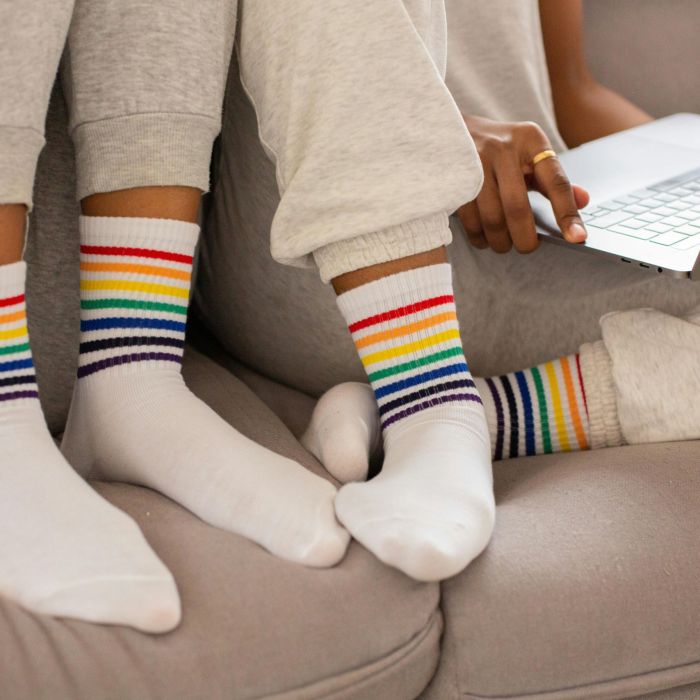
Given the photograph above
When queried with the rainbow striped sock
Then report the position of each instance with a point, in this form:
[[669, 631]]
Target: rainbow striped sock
[[17, 376], [134, 292], [406, 332], [538, 410]]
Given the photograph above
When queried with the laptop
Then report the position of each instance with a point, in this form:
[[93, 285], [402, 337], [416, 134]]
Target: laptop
[[645, 196]]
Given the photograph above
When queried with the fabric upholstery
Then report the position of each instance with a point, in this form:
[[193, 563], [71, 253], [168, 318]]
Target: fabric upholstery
[[589, 588], [254, 626]]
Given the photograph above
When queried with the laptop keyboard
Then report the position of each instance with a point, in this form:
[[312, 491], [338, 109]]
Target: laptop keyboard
[[667, 213]]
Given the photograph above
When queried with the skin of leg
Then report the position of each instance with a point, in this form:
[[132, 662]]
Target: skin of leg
[[13, 219], [356, 278], [180, 203]]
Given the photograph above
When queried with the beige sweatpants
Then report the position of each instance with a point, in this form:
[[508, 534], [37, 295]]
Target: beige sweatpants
[[369, 150]]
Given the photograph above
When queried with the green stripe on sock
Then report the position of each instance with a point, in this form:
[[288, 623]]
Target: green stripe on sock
[[14, 348], [132, 304], [544, 414], [407, 366]]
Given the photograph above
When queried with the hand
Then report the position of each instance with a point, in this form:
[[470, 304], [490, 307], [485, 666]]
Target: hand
[[501, 217]]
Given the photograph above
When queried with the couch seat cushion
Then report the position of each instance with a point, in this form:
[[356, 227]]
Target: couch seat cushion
[[254, 626], [591, 585]]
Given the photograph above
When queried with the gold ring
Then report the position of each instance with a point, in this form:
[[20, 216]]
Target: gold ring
[[543, 155]]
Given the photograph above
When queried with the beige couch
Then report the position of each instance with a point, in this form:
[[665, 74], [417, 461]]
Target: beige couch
[[590, 588]]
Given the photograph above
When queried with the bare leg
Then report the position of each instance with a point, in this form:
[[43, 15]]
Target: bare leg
[[13, 219]]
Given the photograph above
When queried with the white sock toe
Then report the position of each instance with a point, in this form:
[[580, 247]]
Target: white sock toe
[[344, 431]]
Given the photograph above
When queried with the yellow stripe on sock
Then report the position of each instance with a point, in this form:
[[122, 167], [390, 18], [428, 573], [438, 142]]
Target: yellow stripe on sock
[[573, 405], [13, 333], [14, 316], [126, 286], [405, 330], [400, 350], [557, 406], [136, 269]]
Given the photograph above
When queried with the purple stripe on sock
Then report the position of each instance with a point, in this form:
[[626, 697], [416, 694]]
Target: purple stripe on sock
[[85, 370], [19, 395], [429, 404]]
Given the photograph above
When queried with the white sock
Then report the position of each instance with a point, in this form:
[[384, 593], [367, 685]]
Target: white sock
[[65, 551], [134, 420], [344, 431], [431, 509]]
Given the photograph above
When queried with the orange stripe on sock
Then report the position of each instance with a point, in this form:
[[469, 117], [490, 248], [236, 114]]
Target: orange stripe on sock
[[405, 330], [133, 268], [573, 405], [15, 316]]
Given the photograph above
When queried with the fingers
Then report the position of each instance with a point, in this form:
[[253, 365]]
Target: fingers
[[471, 221], [554, 184], [516, 206], [581, 196], [493, 219]]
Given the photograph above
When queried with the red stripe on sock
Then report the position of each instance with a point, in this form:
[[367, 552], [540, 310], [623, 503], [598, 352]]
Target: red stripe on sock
[[11, 301], [580, 381], [401, 311], [135, 252]]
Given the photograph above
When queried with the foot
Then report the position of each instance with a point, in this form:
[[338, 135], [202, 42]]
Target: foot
[[149, 429], [66, 551], [133, 419], [344, 431], [431, 510]]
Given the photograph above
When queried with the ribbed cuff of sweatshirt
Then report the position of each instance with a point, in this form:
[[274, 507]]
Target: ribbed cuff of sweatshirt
[[144, 150], [410, 238], [596, 368], [19, 152]]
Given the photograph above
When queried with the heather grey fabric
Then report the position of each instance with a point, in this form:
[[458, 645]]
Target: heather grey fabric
[[254, 626], [589, 588], [33, 35], [515, 310]]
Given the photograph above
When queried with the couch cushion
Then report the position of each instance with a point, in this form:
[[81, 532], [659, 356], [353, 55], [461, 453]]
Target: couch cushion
[[591, 585], [254, 626]]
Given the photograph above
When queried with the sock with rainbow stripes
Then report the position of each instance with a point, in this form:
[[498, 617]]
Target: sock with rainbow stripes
[[133, 419], [65, 550], [431, 509], [538, 410]]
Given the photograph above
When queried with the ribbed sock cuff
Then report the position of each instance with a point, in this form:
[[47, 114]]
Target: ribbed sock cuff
[[393, 291], [12, 279], [175, 236], [596, 368]]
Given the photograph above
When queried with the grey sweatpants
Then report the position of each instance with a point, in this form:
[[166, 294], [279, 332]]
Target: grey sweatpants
[[369, 150]]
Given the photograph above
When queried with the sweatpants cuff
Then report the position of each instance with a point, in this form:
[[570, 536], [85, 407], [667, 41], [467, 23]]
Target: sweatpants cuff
[[601, 403], [410, 238], [19, 152], [144, 150]]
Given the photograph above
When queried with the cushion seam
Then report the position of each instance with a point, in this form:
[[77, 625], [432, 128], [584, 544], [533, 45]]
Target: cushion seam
[[593, 685], [404, 650]]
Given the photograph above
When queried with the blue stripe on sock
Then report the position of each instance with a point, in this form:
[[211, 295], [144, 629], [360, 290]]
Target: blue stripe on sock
[[420, 379], [100, 324], [529, 416], [16, 364]]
